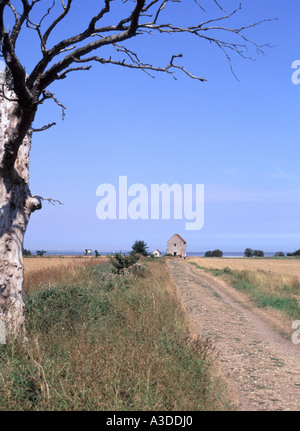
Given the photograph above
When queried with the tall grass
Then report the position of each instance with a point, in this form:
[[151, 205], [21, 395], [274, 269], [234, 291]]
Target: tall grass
[[53, 275], [108, 343], [267, 289]]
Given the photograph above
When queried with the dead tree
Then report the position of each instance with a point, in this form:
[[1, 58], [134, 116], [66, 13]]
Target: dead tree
[[23, 91]]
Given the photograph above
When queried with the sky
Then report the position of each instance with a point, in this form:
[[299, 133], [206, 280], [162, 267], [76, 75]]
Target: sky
[[237, 134]]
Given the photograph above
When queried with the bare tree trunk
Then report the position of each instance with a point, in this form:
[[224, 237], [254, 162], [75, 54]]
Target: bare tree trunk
[[16, 205]]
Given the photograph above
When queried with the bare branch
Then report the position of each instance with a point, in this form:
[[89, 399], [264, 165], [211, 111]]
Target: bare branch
[[42, 129], [14, 12], [19, 23], [50, 200], [72, 69], [143, 66], [46, 96], [58, 20], [144, 19], [95, 19]]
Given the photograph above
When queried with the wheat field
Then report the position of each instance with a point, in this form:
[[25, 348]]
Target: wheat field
[[290, 267], [48, 271], [40, 263]]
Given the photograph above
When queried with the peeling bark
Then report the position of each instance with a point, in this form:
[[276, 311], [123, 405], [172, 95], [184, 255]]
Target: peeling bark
[[16, 206]]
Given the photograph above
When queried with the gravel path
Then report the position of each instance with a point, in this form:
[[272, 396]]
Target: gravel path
[[260, 365]]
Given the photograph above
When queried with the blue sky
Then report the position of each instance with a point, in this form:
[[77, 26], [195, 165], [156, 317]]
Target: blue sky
[[237, 137]]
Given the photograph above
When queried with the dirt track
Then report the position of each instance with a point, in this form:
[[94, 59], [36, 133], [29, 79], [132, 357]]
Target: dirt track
[[254, 351]]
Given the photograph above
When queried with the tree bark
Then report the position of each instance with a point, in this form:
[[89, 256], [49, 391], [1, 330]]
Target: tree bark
[[16, 206]]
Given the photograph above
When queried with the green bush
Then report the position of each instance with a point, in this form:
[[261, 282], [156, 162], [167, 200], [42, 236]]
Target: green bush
[[121, 262]]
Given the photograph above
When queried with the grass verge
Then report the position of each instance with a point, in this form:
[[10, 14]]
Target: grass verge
[[109, 343], [280, 292]]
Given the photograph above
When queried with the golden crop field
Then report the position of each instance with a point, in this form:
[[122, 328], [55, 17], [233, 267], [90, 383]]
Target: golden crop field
[[33, 264], [48, 271], [289, 267]]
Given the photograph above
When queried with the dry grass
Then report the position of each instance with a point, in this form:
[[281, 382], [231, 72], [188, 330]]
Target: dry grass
[[282, 267], [48, 262], [49, 271]]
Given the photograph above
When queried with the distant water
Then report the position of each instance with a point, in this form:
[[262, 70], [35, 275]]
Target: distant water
[[106, 253]]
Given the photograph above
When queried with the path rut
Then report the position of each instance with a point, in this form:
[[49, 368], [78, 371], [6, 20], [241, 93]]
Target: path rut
[[260, 365]]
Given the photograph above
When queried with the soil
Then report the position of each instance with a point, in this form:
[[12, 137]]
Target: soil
[[253, 348]]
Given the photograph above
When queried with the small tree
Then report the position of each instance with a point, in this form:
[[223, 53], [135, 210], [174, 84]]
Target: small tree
[[140, 247], [258, 253], [26, 252], [248, 252], [40, 252], [121, 261], [279, 254], [97, 253]]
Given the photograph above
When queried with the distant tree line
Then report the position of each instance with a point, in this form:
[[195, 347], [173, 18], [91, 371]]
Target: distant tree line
[[253, 253], [26, 252], [259, 253], [296, 253]]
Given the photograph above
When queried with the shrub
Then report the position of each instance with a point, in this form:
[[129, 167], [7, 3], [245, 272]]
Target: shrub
[[121, 262], [41, 252]]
